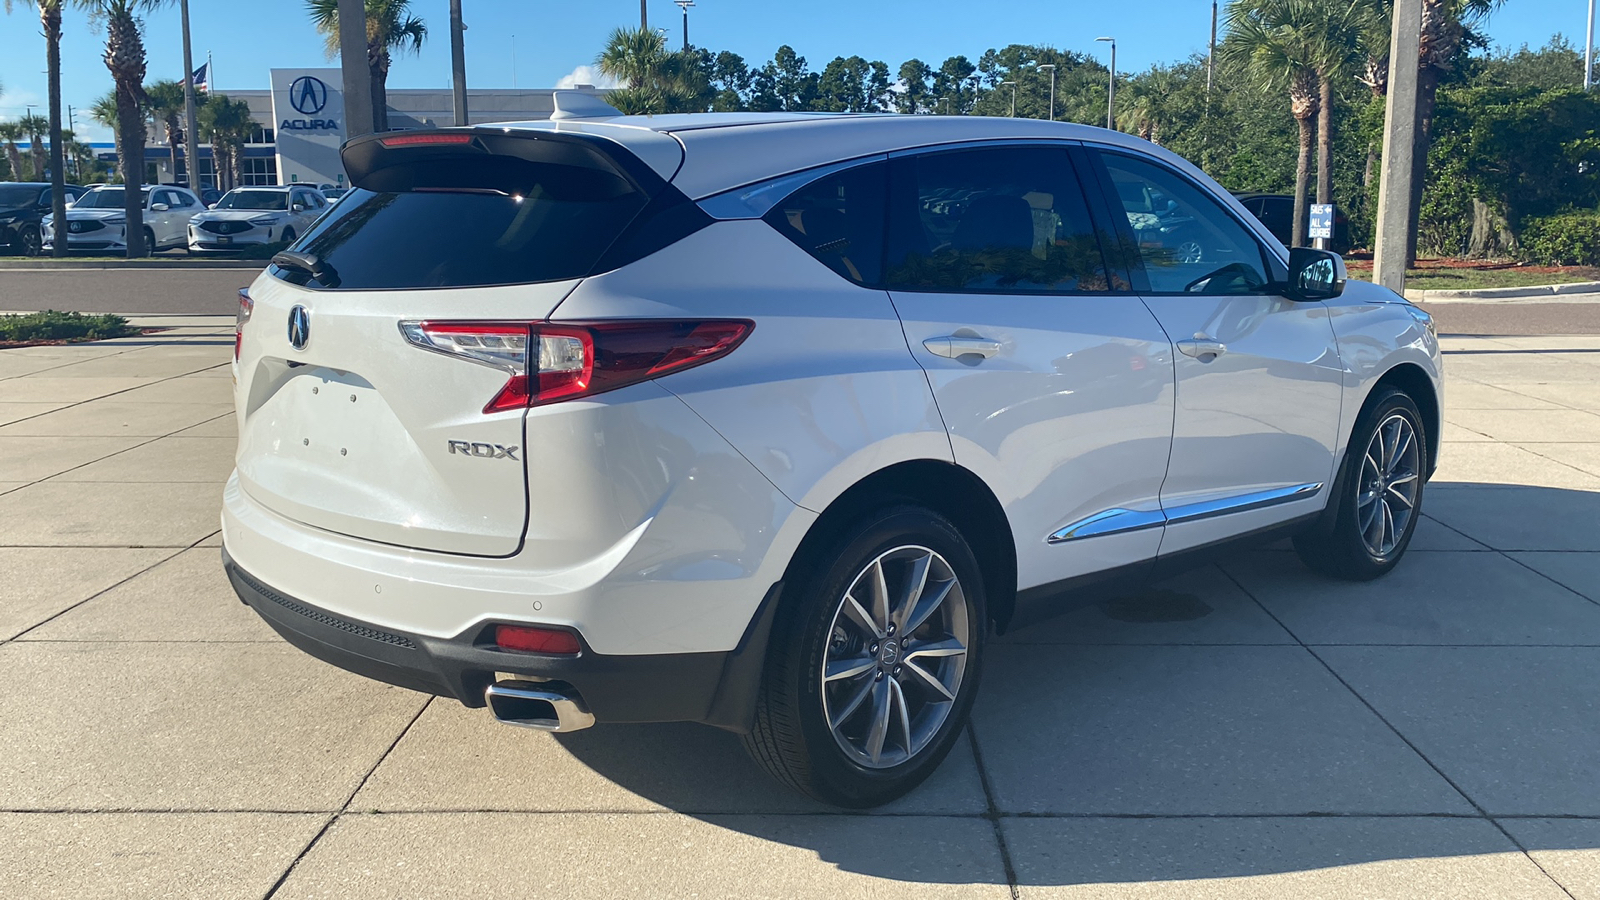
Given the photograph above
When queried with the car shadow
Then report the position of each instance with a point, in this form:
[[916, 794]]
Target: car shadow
[[703, 772]]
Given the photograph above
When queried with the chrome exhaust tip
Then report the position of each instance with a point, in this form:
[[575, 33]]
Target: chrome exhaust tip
[[532, 704]]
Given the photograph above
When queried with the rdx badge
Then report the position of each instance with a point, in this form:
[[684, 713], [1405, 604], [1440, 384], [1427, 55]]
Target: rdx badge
[[486, 451]]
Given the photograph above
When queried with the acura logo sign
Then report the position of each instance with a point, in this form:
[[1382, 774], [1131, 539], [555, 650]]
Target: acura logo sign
[[308, 95], [299, 327]]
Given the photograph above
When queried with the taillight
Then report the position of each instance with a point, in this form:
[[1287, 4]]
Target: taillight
[[547, 363], [246, 307], [528, 639]]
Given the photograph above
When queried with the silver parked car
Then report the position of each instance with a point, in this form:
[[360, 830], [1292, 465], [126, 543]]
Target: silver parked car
[[256, 215]]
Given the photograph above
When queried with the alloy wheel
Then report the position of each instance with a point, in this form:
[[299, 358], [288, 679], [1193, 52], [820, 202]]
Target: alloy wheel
[[1390, 483], [896, 656]]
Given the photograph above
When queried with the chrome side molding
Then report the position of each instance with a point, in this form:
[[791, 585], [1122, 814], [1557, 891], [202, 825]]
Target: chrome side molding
[[1118, 521]]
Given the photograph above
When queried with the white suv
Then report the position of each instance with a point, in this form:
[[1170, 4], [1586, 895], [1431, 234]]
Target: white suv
[[767, 421]]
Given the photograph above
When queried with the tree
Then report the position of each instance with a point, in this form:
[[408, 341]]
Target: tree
[[391, 28], [914, 95], [1336, 48], [35, 127], [10, 133], [730, 79], [853, 85], [104, 111], [50, 23], [166, 106], [125, 59], [1275, 41], [656, 80], [226, 123]]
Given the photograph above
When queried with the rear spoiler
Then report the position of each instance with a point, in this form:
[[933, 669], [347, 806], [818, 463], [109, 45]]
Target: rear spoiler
[[490, 159]]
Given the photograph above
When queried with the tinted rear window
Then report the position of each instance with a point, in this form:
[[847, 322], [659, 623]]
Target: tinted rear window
[[839, 220], [556, 227]]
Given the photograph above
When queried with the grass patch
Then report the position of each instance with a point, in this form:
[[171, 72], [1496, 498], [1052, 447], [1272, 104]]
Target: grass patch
[[52, 327], [1458, 275]]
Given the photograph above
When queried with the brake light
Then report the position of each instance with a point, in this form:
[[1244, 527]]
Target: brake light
[[536, 640], [246, 307], [420, 140], [548, 363]]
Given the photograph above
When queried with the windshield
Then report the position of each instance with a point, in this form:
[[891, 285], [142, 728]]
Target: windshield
[[254, 200], [15, 196], [106, 198]]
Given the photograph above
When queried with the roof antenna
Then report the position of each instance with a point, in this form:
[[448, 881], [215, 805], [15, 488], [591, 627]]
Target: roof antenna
[[581, 105]]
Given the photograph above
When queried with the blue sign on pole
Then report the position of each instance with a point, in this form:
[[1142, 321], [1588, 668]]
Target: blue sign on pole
[[1321, 221]]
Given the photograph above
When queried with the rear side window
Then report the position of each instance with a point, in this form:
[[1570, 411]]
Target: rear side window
[[1004, 219], [838, 219], [550, 222]]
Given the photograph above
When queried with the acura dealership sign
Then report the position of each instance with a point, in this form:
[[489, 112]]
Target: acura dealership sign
[[308, 112]]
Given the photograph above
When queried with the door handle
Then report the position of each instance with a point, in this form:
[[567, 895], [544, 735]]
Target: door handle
[[1202, 347], [954, 346]]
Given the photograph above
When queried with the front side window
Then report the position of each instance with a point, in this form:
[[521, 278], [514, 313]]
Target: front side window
[[1187, 242], [838, 219], [1004, 219], [247, 199]]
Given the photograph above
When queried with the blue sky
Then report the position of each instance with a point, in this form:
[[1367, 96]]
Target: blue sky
[[552, 39]]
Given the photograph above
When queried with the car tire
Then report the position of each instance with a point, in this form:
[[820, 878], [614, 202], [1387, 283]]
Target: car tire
[[848, 711], [1379, 493], [149, 242], [30, 242]]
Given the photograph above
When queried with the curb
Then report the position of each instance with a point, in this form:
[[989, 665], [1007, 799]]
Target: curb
[[131, 265], [1510, 293]]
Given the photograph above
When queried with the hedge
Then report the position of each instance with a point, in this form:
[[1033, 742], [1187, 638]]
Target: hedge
[[1566, 239], [51, 325]]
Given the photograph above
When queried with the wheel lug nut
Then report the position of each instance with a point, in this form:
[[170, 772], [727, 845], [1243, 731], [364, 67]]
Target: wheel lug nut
[[879, 676], [891, 629], [896, 672], [873, 649]]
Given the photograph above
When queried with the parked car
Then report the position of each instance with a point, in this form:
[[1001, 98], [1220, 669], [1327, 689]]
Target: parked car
[[22, 206], [334, 193], [210, 196], [97, 221], [767, 421], [1276, 211], [255, 215]]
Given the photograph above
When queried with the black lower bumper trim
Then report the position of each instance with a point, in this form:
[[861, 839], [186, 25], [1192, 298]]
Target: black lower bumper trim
[[670, 687]]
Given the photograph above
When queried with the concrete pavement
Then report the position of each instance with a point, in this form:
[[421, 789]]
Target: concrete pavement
[[1245, 730]]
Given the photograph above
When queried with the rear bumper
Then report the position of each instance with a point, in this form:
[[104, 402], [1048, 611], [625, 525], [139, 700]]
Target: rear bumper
[[715, 688]]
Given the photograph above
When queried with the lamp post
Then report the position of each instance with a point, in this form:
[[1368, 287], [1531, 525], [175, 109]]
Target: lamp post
[[1588, 51], [191, 142], [458, 62], [946, 101], [1111, 86], [684, 5], [1013, 96], [1211, 54], [1052, 68]]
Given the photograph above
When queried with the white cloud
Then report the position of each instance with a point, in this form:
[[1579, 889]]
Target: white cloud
[[586, 75]]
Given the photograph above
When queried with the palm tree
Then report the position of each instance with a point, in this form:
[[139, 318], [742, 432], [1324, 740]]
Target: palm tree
[[390, 26], [125, 58], [10, 133], [632, 56], [35, 127], [657, 81], [50, 21], [104, 111], [1338, 48], [226, 124], [1276, 41], [1142, 107], [166, 107]]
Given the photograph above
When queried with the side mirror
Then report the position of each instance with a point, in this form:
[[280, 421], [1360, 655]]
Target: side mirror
[[299, 207], [1314, 275], [159, 207]]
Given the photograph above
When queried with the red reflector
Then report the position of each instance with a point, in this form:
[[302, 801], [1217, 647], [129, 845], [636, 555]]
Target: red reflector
[[535, 640], [246, 307], [419, 140]]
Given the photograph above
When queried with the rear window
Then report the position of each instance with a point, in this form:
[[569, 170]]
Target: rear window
[[838, 219], [556, 226]]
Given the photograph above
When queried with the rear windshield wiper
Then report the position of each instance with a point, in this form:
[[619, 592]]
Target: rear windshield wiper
[[309, 263]]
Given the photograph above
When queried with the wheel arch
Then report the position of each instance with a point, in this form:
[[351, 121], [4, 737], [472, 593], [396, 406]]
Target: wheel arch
[[948, 489], [1411, 380]]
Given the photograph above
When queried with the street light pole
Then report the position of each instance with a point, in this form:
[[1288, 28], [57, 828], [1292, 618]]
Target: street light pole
[[1211, 54], [458, 62], [1052, 68], [1395, 225], [1588, 51], [1111, 86], [191, 143], [684, 5], [1013, 96]]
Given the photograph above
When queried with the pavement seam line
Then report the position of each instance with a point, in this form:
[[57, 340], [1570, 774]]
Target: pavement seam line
[[345, 807], [1482, 813], [992, 813], [114, 393], [1507, 555], [78, 362], [160, 562], [152, 440]]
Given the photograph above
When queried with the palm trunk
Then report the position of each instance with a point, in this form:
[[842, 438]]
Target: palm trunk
[[1302, 177], [378, 65], [14, 157], [1325, 142], [36, 156], [174, 141], [130, 122], [1427, 103], [50, 14]]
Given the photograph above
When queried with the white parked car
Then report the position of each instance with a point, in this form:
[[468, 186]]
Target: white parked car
[[769, 421], [255, 215], [98, 221]]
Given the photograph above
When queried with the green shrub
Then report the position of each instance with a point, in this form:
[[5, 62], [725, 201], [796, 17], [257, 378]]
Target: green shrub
[[1566, 239], [51, 325]]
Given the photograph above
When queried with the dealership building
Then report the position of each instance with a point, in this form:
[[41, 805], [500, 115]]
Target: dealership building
[[301, 125]]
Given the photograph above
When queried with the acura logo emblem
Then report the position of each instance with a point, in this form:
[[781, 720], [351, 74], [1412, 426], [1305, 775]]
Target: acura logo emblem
[[299, 327], [308, 95]]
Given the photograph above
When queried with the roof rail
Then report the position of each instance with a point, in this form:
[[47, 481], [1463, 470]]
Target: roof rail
[[581, 105]]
